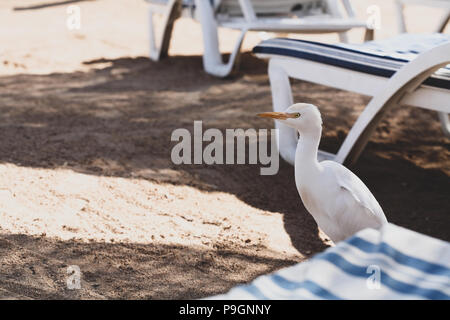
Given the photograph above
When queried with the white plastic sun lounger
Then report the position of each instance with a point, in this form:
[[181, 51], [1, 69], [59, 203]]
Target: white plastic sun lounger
[[371, 265], [407, 70], [280, 16]]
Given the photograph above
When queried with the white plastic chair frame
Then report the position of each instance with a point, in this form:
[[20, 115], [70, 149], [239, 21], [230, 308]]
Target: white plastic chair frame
[[445, 4], [403, 88], [204, 13]]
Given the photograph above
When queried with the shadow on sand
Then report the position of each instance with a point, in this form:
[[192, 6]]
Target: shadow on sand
[[122, 271], [123, 111]]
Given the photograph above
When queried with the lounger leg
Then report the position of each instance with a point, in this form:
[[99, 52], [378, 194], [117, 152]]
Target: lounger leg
[[343, 37], [400, 16], [405, 80], [281, 100], [443, 117], [212, 58], [360, 133], [332, 8], [171, 12], [445, 122], [402, 24], [444, 22]]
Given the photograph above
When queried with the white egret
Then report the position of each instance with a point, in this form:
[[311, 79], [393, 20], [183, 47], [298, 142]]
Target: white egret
[[338, 200]]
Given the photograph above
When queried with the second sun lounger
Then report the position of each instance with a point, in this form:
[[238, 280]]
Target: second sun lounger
[[279, 16]]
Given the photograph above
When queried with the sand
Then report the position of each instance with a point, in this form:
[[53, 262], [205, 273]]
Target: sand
[[86, 177]]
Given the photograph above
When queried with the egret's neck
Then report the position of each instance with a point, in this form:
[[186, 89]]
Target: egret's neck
[[306, 153]]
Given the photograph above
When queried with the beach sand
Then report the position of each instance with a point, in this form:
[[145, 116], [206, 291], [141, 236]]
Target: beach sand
[[86, 177]]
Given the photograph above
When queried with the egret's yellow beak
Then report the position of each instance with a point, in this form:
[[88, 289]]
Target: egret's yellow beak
[[277, 115]]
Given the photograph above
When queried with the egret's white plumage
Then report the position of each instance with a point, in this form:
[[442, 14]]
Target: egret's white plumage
[[338, 200]]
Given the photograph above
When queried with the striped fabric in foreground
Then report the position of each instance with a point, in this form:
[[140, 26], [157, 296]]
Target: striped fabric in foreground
[[393, 263]]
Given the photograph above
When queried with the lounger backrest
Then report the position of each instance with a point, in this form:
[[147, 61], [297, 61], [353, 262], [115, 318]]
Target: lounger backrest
[[274, 7], [261, 7]]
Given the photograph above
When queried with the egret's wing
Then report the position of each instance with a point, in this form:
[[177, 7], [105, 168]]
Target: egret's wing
[[355, 204]]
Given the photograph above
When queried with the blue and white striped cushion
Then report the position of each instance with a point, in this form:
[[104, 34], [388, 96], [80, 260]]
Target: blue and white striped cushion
[[381, 58], [411, 266]]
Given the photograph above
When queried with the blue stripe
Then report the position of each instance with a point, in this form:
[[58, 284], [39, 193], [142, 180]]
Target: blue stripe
[[439, 82], [342, 55], [343, 49], [308, 285], [254, 291], [399, 257], [326, 60], [385, 279], [382, 55]]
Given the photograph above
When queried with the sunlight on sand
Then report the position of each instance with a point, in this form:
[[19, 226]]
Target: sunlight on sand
[[91, 208], [112, 31]]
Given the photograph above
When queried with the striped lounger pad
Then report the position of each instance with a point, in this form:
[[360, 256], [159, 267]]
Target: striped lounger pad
[[381, 58], [392, 263]]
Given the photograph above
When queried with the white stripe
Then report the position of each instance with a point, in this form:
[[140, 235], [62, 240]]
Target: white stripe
[[411, 243], [341, 284], [346, 286], [341, 55], [272, 291], [394, 270]]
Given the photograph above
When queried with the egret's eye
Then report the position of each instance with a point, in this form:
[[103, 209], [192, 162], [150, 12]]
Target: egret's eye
[[297, 115]]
